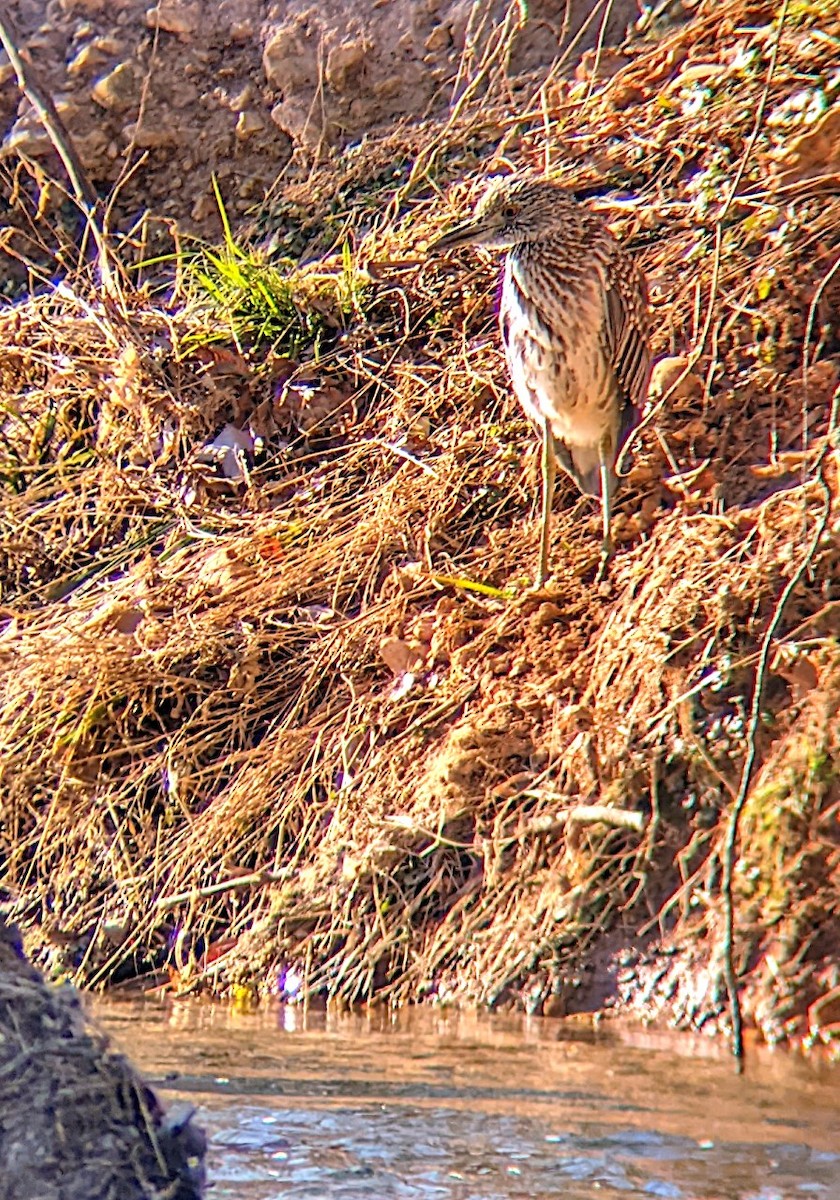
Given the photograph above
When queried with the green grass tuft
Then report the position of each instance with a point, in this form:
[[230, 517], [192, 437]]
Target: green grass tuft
[[243, 295]]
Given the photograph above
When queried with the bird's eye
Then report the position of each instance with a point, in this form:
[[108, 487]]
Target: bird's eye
[[509, 213]]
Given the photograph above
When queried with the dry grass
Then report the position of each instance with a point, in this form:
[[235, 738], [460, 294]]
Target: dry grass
[[207, 760]]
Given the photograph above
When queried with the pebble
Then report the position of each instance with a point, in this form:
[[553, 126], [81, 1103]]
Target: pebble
[[175, 16], [294, 119], [343, 64], [116, 91], [88, 7], [288, 61], [248, 124], [666, 373], [547, 614], [89, 58], [28, 136]]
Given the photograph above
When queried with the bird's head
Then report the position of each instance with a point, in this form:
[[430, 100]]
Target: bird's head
[[511, 212]]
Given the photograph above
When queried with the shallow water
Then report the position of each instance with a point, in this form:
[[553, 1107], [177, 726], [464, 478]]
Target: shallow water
[[470, 1106]]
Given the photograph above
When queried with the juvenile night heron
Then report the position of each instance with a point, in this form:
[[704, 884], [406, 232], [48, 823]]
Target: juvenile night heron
[[574, 319]]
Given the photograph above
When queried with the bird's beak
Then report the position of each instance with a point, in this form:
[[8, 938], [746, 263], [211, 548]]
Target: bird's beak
[[462, 235]]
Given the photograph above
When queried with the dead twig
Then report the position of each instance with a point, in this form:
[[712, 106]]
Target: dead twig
[[255, 879], [110, 269], [742, 795]]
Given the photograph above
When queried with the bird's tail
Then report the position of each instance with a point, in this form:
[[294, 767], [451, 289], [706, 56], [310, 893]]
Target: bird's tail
[[583, 463]]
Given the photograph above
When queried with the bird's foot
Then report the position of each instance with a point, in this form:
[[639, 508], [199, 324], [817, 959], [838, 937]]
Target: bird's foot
[[543, 597], [603, 566], [541, 587], [582, 506]]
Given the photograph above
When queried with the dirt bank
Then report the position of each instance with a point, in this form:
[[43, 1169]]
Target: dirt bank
[[162, 98], [278, 710]]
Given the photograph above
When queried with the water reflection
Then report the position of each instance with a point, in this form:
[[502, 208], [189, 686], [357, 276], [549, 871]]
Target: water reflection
[[476, 1107]]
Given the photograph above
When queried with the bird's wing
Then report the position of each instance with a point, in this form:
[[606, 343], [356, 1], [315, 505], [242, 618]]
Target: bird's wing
[[626, 335]]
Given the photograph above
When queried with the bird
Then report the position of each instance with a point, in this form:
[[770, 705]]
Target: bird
[[576, 330]]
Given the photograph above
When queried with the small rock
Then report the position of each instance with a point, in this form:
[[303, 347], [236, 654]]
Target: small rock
[[109, 45], [89, 58], [116, 91], [665, 375], [239, 18], [289, 61], [88, 7], [400, 656], [150, 137], [28, 136], [344, 63], [294, 118], [248, 124], [547, 614], [175, 16], [438, 39], [386, 88], [240, 100], [204, 207], [128, 620]]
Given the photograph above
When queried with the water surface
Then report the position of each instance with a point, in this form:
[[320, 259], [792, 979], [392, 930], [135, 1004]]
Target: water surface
[[471, 1106]]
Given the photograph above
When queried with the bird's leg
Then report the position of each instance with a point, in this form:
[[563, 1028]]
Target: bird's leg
[[549, 470], [607, 483]]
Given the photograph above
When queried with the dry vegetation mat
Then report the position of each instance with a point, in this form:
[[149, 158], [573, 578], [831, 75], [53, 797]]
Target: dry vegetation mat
[[278, 709]]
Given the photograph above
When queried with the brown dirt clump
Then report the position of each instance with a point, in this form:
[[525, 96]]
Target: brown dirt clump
[[278, 711], [77, 1123]]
